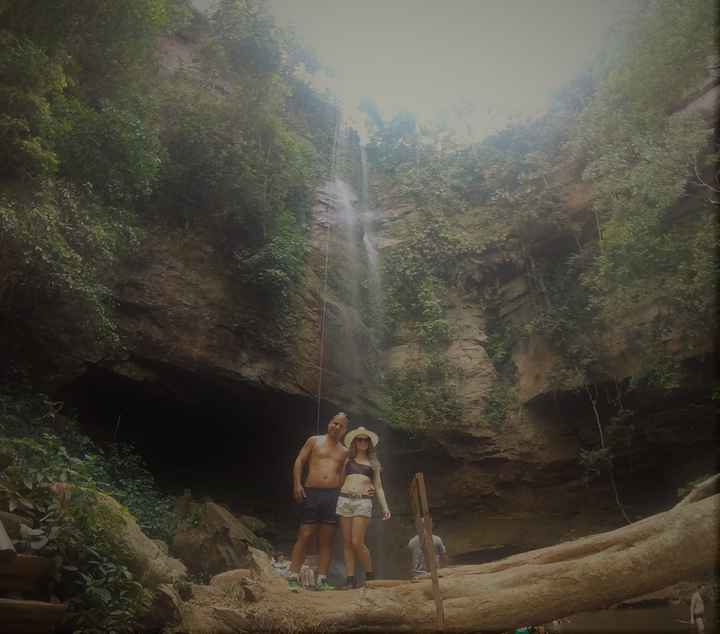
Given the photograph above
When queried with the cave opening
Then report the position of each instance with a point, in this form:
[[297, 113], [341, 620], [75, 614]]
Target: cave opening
[[234, 443], [659, 439]]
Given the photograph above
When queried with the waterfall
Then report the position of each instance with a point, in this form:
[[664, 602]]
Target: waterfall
[[370, 219], [353, 296], [353, 292]]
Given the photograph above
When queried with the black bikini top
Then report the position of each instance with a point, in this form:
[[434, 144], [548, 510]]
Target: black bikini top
[[353, 467]]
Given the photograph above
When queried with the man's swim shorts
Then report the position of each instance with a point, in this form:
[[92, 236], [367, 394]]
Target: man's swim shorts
[[318, 507]]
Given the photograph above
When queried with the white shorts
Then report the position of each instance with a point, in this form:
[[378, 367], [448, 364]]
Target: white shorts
[[354, 507]]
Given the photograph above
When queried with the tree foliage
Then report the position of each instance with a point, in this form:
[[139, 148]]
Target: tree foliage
[[96, 142], [649, 241], [56, 245]]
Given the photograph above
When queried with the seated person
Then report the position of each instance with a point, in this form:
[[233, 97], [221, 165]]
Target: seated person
[[418, 557], [280, 565]]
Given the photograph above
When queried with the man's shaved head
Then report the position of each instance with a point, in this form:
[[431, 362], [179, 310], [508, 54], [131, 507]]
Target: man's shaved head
[[338, 424], [341, 417]]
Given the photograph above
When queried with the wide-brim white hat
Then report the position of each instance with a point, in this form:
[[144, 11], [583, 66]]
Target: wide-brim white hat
[[361, 431]]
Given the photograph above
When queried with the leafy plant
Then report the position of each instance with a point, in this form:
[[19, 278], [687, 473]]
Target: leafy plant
[[54, 476], [499, 403], [95, 143], [56, 243], [277, 266], [423, 398]]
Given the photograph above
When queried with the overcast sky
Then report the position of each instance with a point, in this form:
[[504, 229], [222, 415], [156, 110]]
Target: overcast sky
[[503, 58]]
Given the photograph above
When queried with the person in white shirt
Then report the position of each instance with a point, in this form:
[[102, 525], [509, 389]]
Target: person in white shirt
[[418, 556], [280, 565]]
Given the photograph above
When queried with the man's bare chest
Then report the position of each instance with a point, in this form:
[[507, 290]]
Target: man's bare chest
[[323, 452]]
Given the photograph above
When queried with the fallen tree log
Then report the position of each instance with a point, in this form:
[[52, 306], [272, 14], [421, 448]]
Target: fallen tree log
[[538, 586], [530, 588]]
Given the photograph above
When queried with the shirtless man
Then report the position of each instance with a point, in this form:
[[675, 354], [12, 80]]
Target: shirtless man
[[325, 456]]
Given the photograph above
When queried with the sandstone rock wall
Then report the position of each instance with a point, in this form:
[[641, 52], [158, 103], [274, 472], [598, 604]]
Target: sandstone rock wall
[[179, 306]]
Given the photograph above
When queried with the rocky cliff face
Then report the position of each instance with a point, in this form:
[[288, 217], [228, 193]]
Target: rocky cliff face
[[188, 328], [185, 325], [522, 484]]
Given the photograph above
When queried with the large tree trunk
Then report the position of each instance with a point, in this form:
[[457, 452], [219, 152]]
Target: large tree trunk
[[534, 587], [541, 585]]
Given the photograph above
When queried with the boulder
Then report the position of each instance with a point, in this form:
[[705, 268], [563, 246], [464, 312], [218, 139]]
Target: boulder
[[256, 525], [259, 562], [145, 559], [218, 517], [239, 584], [164, 610], [230, 577], [211, 540]]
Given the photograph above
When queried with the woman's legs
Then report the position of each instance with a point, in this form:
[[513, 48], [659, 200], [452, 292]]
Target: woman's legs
[[359, 527], [349, 553]]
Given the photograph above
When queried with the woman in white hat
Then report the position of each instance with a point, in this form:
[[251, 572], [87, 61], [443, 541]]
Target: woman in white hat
[[362, 481]]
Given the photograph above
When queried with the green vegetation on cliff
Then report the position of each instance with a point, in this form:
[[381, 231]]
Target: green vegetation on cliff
[[99, 145], [642, 252]]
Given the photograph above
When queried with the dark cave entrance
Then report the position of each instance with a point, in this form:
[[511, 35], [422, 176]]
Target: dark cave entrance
[[234, 443], [660, 439]]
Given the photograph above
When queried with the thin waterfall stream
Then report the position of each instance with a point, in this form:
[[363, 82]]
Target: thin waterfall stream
[[353, 298]]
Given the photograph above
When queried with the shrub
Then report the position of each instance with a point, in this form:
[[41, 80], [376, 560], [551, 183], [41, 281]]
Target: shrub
[[28, 80], [46, 450], [56, 244], [111, 148], [419, 399]]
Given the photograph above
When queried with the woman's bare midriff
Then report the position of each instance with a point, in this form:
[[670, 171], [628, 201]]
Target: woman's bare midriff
[[357, 484]]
